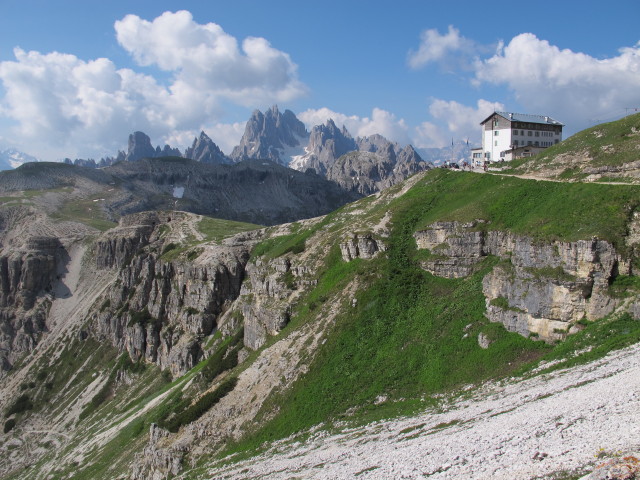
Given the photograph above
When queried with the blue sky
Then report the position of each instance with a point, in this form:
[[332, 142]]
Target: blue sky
[[76, 77]]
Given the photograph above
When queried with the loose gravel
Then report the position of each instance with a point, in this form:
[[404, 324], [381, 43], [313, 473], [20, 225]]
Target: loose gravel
[[548, 426]]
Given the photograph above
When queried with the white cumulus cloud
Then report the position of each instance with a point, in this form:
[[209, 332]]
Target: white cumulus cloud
[[453, 120], [572, 87], [205, 58], [435, 47], [60, 105]]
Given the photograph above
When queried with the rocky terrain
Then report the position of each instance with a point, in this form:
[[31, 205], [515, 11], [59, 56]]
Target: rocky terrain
[[496, 319], [526, 429], [365, 165]]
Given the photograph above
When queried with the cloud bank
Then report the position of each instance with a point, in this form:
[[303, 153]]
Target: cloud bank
[[63, 102], [573, 87]]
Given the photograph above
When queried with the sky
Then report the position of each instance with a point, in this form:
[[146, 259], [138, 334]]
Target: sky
[[77, 77]]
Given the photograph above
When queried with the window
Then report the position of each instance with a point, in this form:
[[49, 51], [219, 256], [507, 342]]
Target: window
[[529, 142], [515, 132], [522, 132], [496, 143], [529, 133], [537, 143], [537, 134], [496, 133]]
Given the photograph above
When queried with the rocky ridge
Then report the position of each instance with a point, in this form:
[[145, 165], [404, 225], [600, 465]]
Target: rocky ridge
[[253, 191], [268, 135], [374, 162]]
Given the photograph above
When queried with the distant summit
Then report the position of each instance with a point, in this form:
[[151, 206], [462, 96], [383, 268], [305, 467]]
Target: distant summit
[[204, 150], [373, 162], [271, 136], [283, 139], [12, 158], [140, 147]]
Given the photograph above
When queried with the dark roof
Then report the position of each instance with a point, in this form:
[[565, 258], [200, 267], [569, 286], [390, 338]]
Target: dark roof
[[524, 117]]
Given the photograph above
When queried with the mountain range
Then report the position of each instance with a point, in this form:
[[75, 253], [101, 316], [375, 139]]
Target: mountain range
[[373, 163]]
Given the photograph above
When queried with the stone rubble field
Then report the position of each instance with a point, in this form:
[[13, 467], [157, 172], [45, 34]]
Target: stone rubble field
[[556, 425]]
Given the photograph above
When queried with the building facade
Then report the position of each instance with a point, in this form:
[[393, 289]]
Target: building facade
[[504, 134]]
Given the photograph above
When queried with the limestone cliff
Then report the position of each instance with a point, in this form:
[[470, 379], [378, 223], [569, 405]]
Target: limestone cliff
[[538, 288], [162, 307], [26, 285]]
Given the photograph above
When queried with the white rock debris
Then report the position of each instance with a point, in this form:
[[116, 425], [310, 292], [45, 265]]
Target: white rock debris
[[533, 428]]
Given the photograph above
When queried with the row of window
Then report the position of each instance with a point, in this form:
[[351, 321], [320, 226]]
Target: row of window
[[529, 133], [521, 143]]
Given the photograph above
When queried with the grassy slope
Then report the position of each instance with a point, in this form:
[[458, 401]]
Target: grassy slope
[[413, 334], [614, 143]]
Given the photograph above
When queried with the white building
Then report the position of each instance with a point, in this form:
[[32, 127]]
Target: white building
[[504, 134]]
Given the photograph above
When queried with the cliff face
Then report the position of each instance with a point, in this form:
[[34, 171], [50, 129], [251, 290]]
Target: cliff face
[[160, 310], [540, 289], [27, 278]]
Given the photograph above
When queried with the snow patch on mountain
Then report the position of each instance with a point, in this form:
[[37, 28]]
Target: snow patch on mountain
[[12, 158], [291, 155]]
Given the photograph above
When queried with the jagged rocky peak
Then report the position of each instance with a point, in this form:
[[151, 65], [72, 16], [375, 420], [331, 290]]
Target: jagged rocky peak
[[205, 150], [268, 135], [167, 151], [140, 147], [372, 143], [326, 143], [329, 136], [367, 172]]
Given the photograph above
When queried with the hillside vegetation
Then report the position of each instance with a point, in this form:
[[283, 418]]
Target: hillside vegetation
[[609, 152]]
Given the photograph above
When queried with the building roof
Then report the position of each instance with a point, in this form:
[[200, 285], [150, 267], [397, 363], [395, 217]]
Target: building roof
[[524, 117]]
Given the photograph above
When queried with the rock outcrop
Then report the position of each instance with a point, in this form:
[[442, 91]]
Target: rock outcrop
[[140, 147], [539, 288], [264, 303], [367, 172], [326, 144], [361, 245], [155, 461]]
